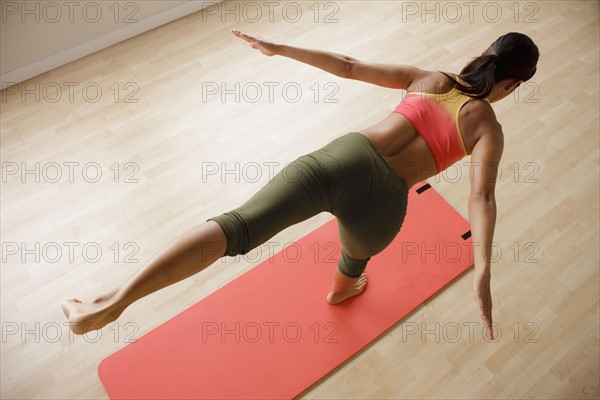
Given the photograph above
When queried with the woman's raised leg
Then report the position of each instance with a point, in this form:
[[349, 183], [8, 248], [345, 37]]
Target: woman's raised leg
[[296, 193], [189, 254]]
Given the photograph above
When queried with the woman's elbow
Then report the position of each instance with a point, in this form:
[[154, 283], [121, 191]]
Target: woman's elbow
[[348, 68]]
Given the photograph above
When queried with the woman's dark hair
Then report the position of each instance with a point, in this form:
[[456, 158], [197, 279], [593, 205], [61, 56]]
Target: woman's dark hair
[[511, 56]]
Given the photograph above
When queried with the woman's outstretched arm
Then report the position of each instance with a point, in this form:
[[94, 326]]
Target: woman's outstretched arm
[[485, 159], [386, 75]]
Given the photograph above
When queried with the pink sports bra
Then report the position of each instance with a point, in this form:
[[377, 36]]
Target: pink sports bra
[[435, 117]]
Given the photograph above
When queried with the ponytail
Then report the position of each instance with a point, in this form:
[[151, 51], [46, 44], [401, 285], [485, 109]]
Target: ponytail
[[512, 56]]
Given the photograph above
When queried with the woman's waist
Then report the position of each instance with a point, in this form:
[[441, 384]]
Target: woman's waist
[[403, 147]]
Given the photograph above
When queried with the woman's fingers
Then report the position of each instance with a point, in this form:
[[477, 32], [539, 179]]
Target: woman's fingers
[[242, 35], [257, 43], [238, 34], [485, 320], [485, 310], [483, 296]]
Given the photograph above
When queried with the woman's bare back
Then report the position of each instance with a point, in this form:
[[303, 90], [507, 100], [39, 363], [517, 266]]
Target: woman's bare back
[[405, 149]]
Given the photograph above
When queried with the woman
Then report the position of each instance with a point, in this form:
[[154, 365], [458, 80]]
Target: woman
[[362, 178]]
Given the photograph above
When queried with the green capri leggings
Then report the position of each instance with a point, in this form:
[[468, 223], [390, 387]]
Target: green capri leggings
[[350, 179]]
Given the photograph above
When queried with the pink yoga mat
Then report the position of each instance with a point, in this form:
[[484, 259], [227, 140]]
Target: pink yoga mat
[[270, 334]]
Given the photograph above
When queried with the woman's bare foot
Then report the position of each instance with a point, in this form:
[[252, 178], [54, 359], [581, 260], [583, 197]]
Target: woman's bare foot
[[354, 290], [86, 317]]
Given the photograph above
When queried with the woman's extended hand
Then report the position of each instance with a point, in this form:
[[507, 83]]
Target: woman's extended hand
[[483, 296], [267, 48]]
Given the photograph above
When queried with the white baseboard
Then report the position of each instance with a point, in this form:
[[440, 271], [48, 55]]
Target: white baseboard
[[66, 56]]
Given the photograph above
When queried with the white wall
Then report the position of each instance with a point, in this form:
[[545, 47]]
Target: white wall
[[37, 36]]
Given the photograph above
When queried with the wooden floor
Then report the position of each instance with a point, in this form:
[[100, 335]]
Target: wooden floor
[[168, 148]]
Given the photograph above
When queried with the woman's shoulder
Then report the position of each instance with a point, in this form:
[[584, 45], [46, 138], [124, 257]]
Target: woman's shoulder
[[433, 82], [477, 117], [479, 110]]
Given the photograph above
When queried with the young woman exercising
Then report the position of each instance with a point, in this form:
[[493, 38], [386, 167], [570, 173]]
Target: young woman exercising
[[362, 177]]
